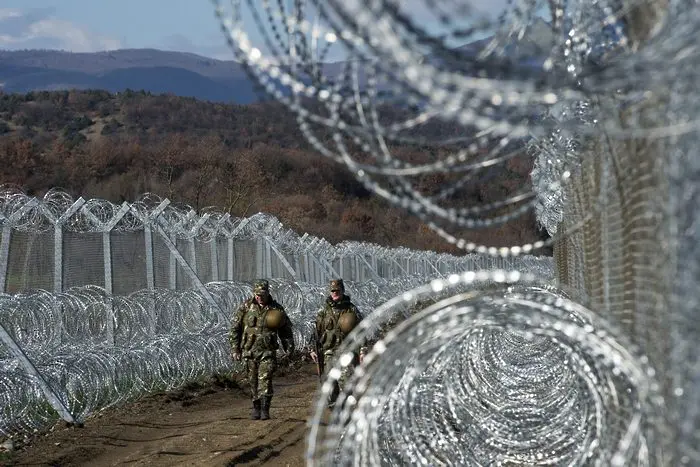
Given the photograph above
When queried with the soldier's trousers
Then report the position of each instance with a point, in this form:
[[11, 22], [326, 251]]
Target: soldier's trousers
[[329, 359], [259, 372]]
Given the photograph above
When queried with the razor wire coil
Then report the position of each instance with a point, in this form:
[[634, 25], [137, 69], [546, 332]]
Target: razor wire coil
[[602, 98]]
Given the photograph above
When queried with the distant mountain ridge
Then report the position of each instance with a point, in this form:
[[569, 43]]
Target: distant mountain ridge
[[181, 73], [101, 62]]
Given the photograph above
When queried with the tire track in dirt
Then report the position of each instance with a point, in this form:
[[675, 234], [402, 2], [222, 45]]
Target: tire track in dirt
[[210, 428]]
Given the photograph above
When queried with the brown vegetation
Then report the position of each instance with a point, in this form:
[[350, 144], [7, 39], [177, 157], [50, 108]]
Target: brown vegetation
[[241, 159]]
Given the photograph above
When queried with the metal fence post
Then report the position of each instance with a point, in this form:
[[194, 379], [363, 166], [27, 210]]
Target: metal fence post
[[229, 258], [4, 255], [214, 253], [259, 260], [57, 258], [107, 255], [268, 257], [172, 266], [150, 273]]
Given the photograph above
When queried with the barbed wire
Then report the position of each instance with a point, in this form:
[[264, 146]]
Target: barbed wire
[[22, 212], [568, 84], [96, 350], [494, 90], [499, 369]]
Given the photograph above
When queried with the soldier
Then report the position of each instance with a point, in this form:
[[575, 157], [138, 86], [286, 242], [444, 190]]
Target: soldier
[[333, 323], [257, 324]]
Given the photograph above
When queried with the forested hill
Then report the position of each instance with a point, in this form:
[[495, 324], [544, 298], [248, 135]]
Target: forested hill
[[240, 158]]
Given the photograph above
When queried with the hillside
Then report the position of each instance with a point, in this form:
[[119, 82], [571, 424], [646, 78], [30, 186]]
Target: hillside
[[240, 158], [190, 75], [157, 71]]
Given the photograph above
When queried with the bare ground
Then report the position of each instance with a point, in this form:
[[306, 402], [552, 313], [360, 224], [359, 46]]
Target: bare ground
[[203, 425]]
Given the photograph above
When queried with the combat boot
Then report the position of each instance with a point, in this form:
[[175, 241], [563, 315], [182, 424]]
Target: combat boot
[[265, 408], [255, 413]]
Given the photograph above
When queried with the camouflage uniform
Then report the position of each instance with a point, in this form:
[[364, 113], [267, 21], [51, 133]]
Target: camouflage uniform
[[256, 342], [329, 335]]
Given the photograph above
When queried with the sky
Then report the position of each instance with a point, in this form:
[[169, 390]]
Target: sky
[[98, 25]]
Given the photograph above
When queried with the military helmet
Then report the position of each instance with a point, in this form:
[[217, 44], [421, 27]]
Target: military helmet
[[273, 318], [261, 287], [337, 284], [347, 322]]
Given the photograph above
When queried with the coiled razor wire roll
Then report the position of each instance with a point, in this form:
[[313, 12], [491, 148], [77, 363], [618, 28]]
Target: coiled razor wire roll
[[95, 350], [499, 370], [356, 104], [602, 78], [491, 83]]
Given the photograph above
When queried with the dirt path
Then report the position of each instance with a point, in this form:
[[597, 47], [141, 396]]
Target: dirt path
[[203, 426]]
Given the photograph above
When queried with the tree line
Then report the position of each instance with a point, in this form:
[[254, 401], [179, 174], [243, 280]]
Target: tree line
[[241, 159]]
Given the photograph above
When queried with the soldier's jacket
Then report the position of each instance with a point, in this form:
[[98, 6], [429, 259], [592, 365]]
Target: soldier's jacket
[[250, 336], [328, 331]]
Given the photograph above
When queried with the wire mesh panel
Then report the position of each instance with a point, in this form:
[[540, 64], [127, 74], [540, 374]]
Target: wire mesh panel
[[185, 248], [83, 259], [30, 261], [128, 262], [617, 258], [684, 352], [203, 260], [244, 263], [164, 264]]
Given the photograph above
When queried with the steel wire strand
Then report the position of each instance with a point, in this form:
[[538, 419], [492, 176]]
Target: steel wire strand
[[489, 376]]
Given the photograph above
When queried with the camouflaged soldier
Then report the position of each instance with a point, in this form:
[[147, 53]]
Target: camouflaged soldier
[[334, 322], [256, 326]]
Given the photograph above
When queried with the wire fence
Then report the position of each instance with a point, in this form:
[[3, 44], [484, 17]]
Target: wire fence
[[606, 94], [103, 302], [634, 258]]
